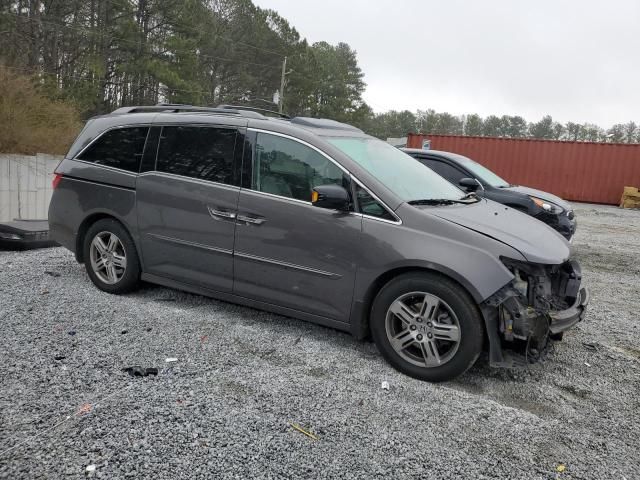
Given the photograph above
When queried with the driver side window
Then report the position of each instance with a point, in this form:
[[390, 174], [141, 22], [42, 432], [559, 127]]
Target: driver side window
[[290, 169]]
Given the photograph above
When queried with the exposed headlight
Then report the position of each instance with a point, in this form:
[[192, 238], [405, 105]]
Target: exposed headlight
[[547, 206]]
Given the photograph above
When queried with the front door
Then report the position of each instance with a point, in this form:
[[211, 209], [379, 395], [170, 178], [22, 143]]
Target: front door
[[187, 205], [288, 252]]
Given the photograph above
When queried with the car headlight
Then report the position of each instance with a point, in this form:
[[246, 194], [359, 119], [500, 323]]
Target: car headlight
[[547, 206]]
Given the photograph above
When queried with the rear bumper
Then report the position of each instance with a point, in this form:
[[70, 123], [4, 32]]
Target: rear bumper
[[563, 320]]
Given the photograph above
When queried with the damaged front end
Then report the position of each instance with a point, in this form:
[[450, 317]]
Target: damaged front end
[[538, 305]]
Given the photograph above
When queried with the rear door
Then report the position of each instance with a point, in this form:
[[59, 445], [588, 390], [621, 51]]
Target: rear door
[[288, 252], [186, 204]]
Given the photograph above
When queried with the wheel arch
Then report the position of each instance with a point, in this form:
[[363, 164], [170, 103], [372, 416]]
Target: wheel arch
[[361, 309], [86, 224]]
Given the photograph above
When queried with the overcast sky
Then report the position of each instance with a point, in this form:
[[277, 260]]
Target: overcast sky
[[576, 60]]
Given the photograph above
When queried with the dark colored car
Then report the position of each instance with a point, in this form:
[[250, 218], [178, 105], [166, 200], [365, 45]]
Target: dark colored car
[[470, 175], [316, 220]]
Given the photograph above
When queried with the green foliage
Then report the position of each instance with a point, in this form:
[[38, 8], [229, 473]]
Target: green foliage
[[31, 122], [105, 54]]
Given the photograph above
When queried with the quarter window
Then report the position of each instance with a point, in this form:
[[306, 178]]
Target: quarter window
[[290, 169], [370, 206], [119, 148], [198, 152]]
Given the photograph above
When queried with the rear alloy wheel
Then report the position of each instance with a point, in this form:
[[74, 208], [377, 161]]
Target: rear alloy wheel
[[110, 257], [427, 326]]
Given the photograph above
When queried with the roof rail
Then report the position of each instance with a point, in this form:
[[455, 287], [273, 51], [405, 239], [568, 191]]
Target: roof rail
[[245, 108], [324, 123], [178, 107]]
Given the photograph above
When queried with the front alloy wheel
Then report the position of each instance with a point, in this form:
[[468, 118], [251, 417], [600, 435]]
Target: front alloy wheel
[[423, 329], [427, 326]]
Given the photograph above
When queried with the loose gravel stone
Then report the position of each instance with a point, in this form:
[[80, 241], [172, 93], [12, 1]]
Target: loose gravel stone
[[244, 377]]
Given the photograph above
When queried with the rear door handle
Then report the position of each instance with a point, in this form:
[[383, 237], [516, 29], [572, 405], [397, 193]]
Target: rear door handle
[[252, 220], [217, 214]]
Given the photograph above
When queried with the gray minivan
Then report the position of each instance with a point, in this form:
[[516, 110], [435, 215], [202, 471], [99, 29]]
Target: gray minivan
[[313, 219]]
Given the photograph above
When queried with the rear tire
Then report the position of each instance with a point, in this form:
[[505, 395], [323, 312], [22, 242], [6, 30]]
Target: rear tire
[[427, 326], [110, 257]]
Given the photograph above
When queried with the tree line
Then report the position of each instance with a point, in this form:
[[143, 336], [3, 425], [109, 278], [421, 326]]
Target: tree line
[[398, 124], [98, 55], [103, 54]]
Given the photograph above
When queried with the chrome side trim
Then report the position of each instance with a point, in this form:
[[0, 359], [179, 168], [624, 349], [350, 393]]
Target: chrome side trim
[[191, 244], [105, 167], [200, 181], [279, 197], [95, 182], [287, 265]]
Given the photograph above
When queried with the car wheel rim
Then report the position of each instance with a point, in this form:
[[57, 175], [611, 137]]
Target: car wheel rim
[[108, 257], [423, 329]]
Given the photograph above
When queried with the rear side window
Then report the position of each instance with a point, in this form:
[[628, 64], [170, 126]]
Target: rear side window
[[205, 153], [119, 148]]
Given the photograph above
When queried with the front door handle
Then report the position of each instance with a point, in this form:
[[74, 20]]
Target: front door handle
[[217, 214], [252, 220]]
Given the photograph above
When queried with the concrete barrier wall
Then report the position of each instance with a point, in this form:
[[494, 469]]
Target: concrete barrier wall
[[25, 185]]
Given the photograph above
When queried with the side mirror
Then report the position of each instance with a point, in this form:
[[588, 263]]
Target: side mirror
[[333, 197], [470, 184]]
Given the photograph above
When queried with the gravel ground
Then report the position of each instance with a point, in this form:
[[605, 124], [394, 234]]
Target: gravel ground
[[225, 408]]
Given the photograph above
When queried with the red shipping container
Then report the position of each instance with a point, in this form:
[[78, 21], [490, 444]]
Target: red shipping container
[[577, 171]]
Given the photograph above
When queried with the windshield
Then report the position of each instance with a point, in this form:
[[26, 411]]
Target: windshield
[[483, 173], [400, 173]]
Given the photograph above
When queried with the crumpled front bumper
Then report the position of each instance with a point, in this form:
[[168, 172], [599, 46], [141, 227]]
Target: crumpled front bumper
[[563, 320]]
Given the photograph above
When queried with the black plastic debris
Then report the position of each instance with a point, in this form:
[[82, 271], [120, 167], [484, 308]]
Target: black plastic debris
[[148, 329], [53, 274], [59, 357], [138, 371], [123, 332], [72, 332]]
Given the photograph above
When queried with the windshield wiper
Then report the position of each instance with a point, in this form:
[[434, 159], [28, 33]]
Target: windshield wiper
[[446, 201], [432, 201]]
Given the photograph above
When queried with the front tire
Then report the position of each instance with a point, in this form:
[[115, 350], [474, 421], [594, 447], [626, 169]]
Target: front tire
[[427, 326], [110, 257]]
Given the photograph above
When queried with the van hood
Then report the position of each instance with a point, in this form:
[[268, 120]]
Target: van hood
[[537, 242], [550, 197]]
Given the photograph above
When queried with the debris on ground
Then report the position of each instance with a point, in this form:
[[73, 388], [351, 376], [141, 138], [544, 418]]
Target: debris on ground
[[53, 274], [90, 468], [560, 468], [84, 409], [59, 357], [302, 430], [171, 360], [138, 371], [630, 198], [385, 385]]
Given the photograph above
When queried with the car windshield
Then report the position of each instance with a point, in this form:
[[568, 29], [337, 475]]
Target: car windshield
[[483, 173], [399, 172]]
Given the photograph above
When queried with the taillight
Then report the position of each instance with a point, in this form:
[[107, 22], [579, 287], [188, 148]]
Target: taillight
[[56, 180]]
